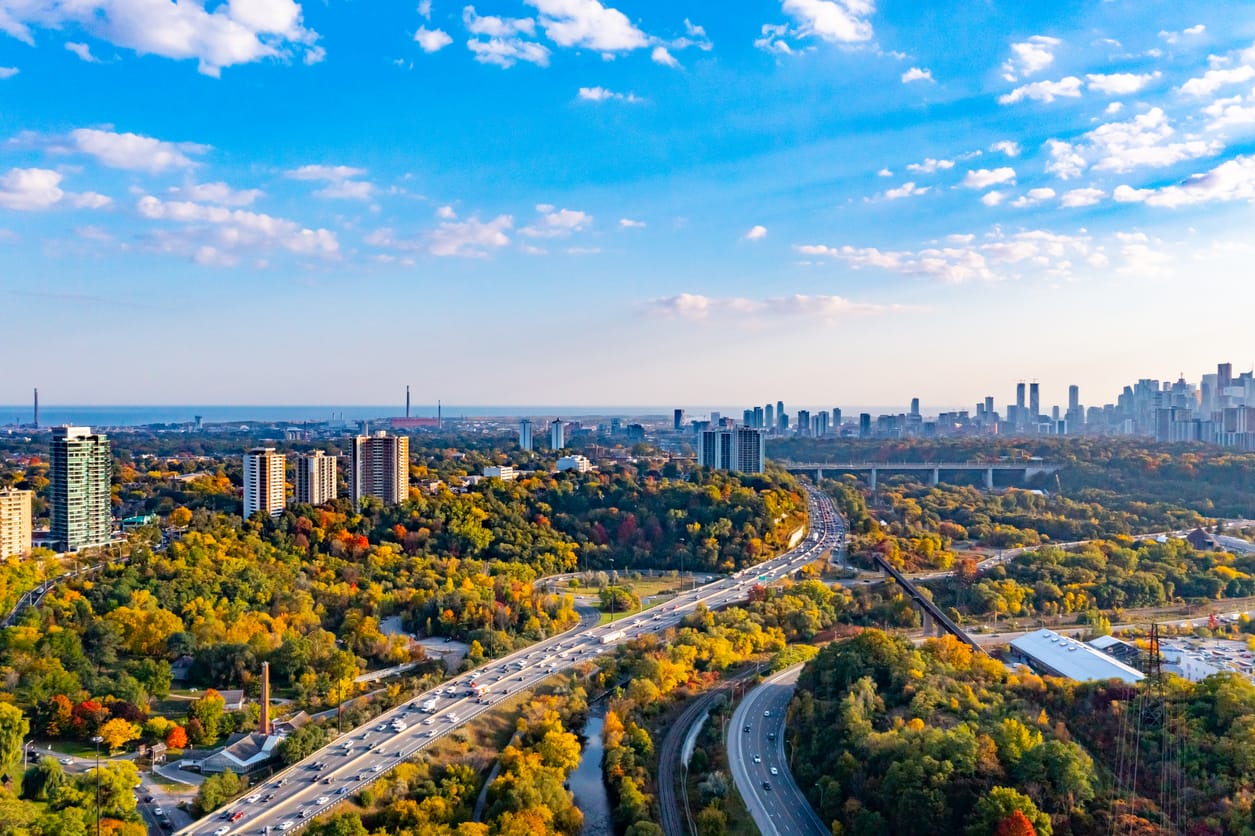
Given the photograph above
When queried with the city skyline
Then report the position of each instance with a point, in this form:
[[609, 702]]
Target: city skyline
[[897, 201]]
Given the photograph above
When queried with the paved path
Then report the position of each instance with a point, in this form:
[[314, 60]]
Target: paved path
[[778, 805]]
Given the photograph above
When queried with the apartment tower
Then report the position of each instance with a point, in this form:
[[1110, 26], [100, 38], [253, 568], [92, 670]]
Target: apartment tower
[[315, 478], [15, 522], [81, 501], [265, 488], [379, 465]]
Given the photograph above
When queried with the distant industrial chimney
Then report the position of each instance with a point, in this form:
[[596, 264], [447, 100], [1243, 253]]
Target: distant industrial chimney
[[439, 416], [36, 408], [265, 698], [407, 400]]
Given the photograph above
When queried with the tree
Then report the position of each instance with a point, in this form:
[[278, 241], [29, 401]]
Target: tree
[[341, 824], [180, 517], [43, 780], [1016, 824], [302, 743], [217, 790], [177, 738], [999, 804], [13, 730], [712, 821], [117, 732], [208, 711]]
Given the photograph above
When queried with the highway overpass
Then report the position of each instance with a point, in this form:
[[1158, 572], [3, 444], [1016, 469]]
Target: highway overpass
[[1022, 470]]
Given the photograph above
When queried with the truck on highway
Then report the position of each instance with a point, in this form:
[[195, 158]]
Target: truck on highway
[[610, 638], [428, 706], [478, 689]]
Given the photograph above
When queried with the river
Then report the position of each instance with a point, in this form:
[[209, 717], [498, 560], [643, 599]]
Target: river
[[586, 781]]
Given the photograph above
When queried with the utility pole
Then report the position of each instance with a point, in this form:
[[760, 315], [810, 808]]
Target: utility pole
[[96, 739]]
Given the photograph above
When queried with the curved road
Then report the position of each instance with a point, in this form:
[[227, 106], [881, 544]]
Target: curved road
[[290, 800], [756, 747]]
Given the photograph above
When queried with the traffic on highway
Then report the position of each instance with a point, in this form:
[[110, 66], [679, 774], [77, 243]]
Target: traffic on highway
[[295, 796]]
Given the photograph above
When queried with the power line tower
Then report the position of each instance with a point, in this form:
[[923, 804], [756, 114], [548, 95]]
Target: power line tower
[[1151, 749]]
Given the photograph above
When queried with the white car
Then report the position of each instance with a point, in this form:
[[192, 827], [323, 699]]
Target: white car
[[758, 759], [287, 825], [222, 831], [377, 768], [321, 800], [775, 771]]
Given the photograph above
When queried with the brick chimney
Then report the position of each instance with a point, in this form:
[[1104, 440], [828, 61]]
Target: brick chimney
[[265, 698]]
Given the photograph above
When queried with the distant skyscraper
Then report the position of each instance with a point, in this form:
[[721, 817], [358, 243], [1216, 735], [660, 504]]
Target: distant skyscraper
[[265, 488], [15, 522], [379, 465], [1019, 395], [677, 420], [769, 417], [747, 417], [81, 501], [315, 478], [1074, 397], [864, 425], [803, 422], [989, 405], [759, 417], [557, 438], [525, 435], [1034, 402], [739, 449], [836, 421], [915, 406], [1224, 375]]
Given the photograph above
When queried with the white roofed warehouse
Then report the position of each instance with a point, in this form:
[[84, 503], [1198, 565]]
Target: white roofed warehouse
[[1052, 654]]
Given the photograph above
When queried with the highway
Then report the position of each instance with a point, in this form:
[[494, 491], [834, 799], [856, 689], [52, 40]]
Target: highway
[[756, 757], [292, 798]]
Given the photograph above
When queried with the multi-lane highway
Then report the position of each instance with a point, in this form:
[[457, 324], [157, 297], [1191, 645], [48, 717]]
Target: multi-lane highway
[[291, 799], [756, 756]]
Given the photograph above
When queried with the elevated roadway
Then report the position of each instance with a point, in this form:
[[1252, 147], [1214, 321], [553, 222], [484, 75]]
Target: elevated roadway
[[1025, 469], [291, 799]]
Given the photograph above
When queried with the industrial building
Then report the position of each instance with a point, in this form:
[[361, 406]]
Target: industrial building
[[1052, 654]]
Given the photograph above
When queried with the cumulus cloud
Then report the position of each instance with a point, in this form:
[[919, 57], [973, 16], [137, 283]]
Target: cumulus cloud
[[235, 32], [588, 24], [1044, 91], [601, 94], [983, 178], [905, 190], [1212, 80], [1231, 180], [694, 306], [339, 180], [134, 152], [1230, 112], [1146, 140], [833, 21], [83, 51], [661, 55], [506, 52], [1081, 197], [1120, 84], [1064, 161], [1029, 57], [1033, 197], [30, 189], [217, 234], [993, 198], [556, 223], [929, 165], [432, 40], [470, 238], [917, 74], [755, 233], [629, 223], [90, 200], [217, 193], [1006, 146]]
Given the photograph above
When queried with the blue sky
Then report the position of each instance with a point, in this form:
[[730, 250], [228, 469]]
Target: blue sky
[[590, 201]]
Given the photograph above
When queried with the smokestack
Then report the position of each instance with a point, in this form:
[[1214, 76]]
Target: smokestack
[[407, 400], [36, 408], [439, 415], [265, 698]]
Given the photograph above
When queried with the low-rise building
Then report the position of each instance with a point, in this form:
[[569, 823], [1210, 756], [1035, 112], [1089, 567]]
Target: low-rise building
[[505, 472], [1052, 654], [578, 463]]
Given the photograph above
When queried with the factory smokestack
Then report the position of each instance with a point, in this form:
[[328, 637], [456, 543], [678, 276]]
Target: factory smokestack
[[407, 400], [264, 725], [439, 416], [36, 408]]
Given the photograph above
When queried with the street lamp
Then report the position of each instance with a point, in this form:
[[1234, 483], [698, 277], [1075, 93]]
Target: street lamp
[[96, 739]]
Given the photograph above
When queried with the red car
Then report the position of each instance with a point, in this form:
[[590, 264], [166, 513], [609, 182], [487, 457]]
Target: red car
[[239, 814]]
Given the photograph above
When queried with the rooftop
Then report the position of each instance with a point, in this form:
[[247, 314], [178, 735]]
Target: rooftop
[[1071, 658]]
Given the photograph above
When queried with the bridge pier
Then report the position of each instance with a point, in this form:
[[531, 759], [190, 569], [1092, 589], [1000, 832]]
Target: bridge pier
[[936, 476], [819, 475], [989, 479], [873, 480], [926, 620]]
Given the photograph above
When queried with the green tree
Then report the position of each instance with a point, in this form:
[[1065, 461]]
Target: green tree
[[208, 711], [217, 790], [998, 804], [302, 743], [13, 730]]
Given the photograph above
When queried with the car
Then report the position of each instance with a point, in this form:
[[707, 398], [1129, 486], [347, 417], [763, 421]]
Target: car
[[67, 761], [746, 729], [431, 733], [771, 735], [307, 813], [342, 791], [767, 712], [767, 786], [157, 811], [758, 759], [269, 798], [327, 780], [287, 825], [775, 771], [377, 768], [321, 800], [428, 721], [222, 831], [237, 815], [252, 799], [148, 799]]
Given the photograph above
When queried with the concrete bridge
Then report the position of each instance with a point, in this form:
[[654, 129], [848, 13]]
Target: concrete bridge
[[935, 621], [1024, 470]]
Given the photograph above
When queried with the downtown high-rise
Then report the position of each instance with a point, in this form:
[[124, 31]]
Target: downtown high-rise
[[379, 465], [82, 467]]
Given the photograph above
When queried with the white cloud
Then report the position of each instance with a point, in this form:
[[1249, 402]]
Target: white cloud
[[1113, 108], [506, 52], [905, 190], [1029, 57], [1120, 84], [218, 193], [133, 152], [755, 233], [929, 165], [884, 172], [993, 198], [1231, 180], [432, 40], [235, 32], [601, 94], [917, 74], [695, 306], [1033, 197], [1006, 146], [1065, 162], [660, 55], [1044, 91], [90, 200], [470, 238], [558, 223], [1173, 37], [30, 189], [628, 223], [424, 8], [983, 178], [1229, 112], [1081, 197], [1143, 140], [83, 51], [589, 24], [1212, 80], [446, 213], [497, 27], [1196, 29], [773, 37], [213, 234], [8, 72], [339, 180], [835, 21]]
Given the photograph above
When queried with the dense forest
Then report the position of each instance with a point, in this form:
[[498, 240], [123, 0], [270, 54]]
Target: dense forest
[[897, 739]]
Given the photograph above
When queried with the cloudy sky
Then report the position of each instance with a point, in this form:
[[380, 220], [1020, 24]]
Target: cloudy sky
[[621, 202]]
